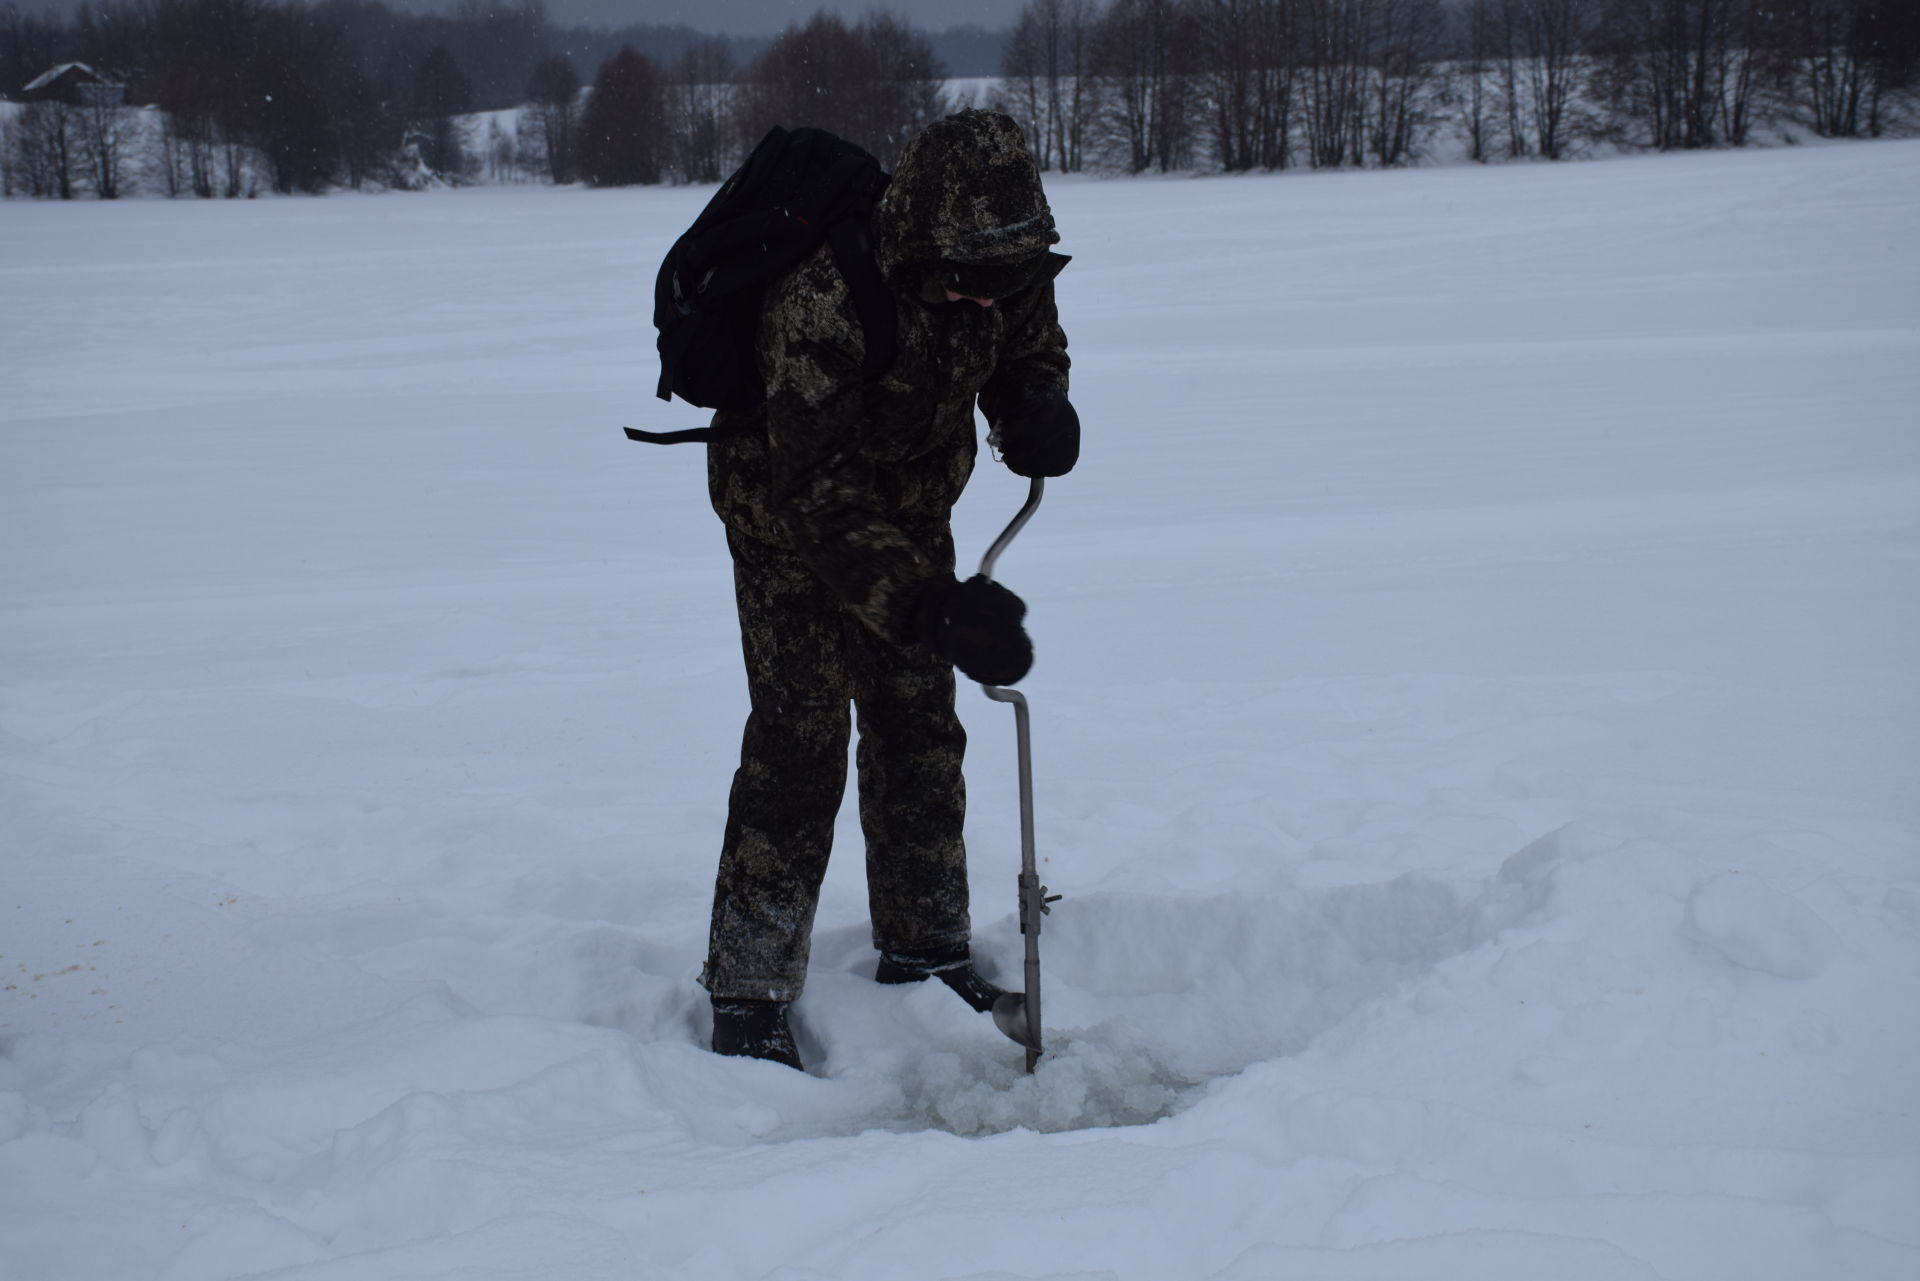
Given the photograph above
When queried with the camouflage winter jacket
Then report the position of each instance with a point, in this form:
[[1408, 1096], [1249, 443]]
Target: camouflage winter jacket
[[859, 477]]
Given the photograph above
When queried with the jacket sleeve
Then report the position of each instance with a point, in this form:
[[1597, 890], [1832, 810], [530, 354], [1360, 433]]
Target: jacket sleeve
[[823, 486], [1034, 359]]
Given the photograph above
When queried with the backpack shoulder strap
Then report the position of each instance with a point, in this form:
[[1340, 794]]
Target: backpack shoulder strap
[[852, 243], [690, 436]]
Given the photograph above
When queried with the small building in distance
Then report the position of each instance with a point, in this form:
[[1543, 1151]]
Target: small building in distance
[[74, 83]]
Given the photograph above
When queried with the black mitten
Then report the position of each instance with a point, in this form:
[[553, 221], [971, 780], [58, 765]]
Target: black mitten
[[1039, 435], [975, 625]]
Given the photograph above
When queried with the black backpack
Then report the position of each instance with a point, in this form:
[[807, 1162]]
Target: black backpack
[[798, 189]]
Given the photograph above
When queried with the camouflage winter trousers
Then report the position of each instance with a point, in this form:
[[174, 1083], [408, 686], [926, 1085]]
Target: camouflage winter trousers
[[807, 658]]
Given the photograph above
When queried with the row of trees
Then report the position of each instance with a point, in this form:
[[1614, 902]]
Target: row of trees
[[694, 119], [247, 94], [1274, 84]]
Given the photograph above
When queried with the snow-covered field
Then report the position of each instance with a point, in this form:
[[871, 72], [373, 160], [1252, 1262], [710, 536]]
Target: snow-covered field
[[1477, 729]]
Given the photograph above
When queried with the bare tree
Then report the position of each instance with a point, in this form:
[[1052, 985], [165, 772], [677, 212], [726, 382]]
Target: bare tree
[[1556, 36], [1836, 79], [907, 89], [441, 93], [1475, 71], [1278, 39], [43, 145], [504, 161], [1143, 57], [290, 121], [1247, 55], [1683, 73], [1337, 36], [1510, 38], [620, 128], [103, 137], [1047, 68], [1526, 70], [200, 76], [365, 128], [875, 83], [1403, 78], [553, 112], [1854, 59], [700, 105]]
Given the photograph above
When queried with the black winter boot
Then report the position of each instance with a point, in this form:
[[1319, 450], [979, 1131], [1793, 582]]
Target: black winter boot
[[754, 1030], [952, 966]]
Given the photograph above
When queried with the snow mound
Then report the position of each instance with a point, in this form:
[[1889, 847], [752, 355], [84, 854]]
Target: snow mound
[[1757, 927], [1148, 1001], [1084, 1082]]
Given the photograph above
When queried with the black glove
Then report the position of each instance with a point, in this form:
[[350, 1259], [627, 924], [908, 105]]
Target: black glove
[[975, 625], [1039, 435]]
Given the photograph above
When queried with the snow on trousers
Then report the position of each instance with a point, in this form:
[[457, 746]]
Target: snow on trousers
[[807, 658]]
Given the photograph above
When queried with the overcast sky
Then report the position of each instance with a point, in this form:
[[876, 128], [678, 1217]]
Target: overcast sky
[[764, 17], [721, 17]]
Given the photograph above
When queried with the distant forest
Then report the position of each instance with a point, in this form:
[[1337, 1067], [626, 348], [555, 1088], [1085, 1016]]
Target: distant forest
[[225, 98]]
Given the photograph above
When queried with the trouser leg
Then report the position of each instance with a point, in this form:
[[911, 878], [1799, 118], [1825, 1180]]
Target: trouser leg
[[792, 774], [912, 808], [913, 797]]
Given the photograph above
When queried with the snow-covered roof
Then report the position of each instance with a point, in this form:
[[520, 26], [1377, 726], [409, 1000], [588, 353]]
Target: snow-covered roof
[[46, 78]]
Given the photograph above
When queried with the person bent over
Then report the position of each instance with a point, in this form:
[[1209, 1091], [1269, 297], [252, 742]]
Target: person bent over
[[837, 493]]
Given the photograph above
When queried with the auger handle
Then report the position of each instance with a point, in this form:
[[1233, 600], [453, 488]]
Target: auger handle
[[1014, 526], [1033, 895]]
